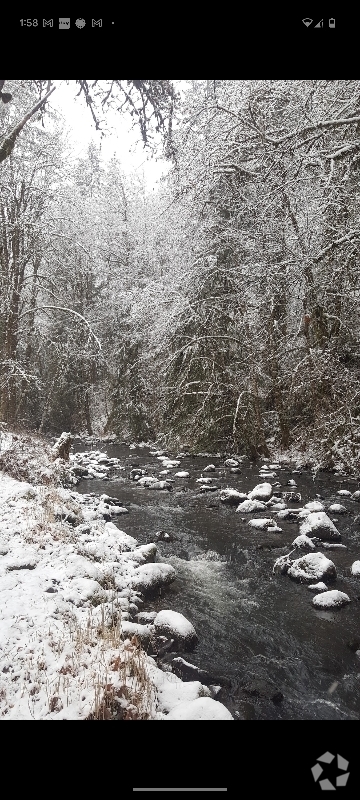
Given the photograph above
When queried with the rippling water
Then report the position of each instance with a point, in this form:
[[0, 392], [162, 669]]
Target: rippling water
[[284, 659]]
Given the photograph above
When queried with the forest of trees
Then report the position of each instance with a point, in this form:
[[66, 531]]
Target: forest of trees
[[221, 312]]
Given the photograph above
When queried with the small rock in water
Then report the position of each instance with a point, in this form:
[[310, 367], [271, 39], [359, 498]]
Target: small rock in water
[[303, 541], [333, 546], [162, 536], [344, 493], [204, 480], [209, 468], [318, 587], [355, 568], [260, 524], [314, 505], [232, 496], [249, 506], [291, 497], [291, 482], [230, 462], [171, 623], [182, 474], [332, 599], [337, 508], [356, 496]]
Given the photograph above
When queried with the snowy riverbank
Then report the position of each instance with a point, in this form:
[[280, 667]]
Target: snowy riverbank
[[69, 588]]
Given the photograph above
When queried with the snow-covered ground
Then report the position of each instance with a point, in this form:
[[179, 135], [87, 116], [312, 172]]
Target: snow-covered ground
[[68, 588]]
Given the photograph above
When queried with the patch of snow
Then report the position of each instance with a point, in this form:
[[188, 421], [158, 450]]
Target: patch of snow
[[203, 708]]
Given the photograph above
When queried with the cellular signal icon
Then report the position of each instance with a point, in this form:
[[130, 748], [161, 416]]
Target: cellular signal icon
[[307, 21]]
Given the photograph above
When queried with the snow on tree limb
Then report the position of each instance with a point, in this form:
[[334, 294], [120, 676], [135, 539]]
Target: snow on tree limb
[[70, 311]]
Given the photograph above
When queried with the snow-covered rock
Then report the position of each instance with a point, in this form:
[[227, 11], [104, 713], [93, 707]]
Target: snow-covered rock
[[150, 577], [314, 505], [205, 481], [313, 566], [282, 565], [249, 506], [147, 480], [318, 587], [209, 468], [320, 525], [176, 626], [261, 524], [142, 632], [182, 474], [356, 496], [355, 568], [344, 493], [331, 599], [303, 541], [337, 508], [146, 617], [204, 708], [160, 485], [144, 554], [262, 491], [231, 462], [232, 496]]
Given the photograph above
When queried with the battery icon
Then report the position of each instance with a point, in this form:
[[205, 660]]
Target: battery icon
[[332, 23]]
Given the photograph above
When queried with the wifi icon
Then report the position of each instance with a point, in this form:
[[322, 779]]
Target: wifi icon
[[307, 21]]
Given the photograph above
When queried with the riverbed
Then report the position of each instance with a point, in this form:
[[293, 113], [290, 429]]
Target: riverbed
[[282, 658]]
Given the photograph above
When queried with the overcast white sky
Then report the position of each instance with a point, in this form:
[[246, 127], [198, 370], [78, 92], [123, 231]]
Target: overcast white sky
[[122, 141]]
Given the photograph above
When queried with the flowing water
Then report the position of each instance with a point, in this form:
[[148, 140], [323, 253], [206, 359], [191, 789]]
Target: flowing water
[[283, 658]]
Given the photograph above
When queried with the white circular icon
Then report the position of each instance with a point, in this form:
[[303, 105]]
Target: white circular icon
[[80, 23]]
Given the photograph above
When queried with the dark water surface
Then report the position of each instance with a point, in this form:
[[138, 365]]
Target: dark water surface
[[285, 660]]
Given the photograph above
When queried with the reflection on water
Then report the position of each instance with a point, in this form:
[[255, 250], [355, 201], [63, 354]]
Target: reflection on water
[[258, 629]]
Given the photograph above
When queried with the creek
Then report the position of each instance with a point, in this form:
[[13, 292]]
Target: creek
[[283, 659]]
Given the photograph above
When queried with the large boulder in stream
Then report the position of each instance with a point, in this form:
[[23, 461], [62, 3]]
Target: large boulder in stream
[[312, 567], [262, 491], [320, 525], [151, 577]]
